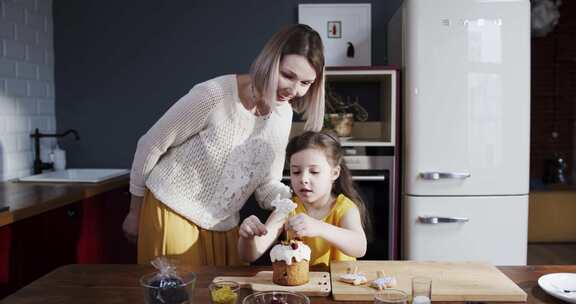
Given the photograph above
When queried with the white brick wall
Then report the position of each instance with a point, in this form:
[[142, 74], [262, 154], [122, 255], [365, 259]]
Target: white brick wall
[[26, 83]]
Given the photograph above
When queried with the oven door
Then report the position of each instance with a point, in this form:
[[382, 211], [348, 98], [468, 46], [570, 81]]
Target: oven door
[[374, 188]]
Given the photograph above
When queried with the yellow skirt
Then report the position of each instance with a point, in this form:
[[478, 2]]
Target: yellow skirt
[[163, 232]]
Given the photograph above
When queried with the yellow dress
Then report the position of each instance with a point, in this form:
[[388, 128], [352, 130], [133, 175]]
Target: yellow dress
[[163, 232], [322, 251]]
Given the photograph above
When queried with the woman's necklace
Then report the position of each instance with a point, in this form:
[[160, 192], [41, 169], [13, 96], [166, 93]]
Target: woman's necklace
[[258, 113]]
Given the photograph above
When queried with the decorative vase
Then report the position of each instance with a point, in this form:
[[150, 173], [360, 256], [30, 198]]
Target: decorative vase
[[342, 123]]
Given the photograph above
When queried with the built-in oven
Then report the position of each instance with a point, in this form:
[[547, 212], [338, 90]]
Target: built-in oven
[[373, 170]]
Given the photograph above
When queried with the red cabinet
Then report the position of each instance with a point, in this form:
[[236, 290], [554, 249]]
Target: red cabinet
[[34, 246], [101, 237], [5, 255], [89, 231]]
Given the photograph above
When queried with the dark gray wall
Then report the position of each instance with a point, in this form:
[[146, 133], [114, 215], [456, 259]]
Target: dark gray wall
[[121, 64]]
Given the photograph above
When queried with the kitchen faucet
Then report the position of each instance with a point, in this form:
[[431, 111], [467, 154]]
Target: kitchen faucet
[[39, 165]]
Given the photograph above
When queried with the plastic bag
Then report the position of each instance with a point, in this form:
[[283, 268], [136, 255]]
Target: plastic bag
[[167, 286]]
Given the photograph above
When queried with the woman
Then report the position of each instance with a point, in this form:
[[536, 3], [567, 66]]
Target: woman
[[224, 140]]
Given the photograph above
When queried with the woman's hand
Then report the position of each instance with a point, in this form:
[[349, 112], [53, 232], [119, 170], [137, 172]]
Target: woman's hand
[[132, 220], [251, 227], [304, 225]]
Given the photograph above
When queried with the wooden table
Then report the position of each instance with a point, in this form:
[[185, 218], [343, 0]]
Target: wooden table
[[103, 284]]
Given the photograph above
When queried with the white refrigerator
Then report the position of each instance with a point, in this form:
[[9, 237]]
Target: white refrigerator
[[466, 69]]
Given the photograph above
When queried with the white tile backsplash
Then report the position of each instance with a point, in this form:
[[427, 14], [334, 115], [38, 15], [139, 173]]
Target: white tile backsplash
[[9, 143], [36, 54], [26, 70], [35, 20], [14, 13], [27, 106], [45, 72], [28, 4], [14, 49], [6, 29], [44, 40], [7, 67], [18, 161], [18, 124], [44, 7], [43, 123], [26, 34], [8, 106], [26, 83], [45, 107], [37, 88], [24, 142], [16, 87]]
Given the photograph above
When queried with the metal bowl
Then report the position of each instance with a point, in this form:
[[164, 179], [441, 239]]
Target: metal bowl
[[276, 297]]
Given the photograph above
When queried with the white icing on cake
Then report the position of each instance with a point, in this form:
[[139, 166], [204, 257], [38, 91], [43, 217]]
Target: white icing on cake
[[286, 253]]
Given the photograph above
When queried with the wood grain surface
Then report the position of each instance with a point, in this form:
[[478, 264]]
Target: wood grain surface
[[107, 284], [450, 281], [318, 285]]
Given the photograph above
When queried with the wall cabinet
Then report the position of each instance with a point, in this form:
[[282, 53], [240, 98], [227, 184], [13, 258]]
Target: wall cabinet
[[88, 231]]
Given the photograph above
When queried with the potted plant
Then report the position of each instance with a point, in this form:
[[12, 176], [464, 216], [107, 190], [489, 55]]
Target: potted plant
[[341, 113]]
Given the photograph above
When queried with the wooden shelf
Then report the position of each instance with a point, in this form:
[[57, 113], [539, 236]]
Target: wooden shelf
[[386, 80]]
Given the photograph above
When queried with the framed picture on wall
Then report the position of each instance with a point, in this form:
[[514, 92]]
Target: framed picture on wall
[[345, 30]]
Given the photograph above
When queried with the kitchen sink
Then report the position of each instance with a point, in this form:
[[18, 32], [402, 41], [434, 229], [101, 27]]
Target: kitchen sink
[[76, 176]]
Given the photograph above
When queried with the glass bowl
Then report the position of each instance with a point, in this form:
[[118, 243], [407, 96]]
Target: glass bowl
[[224, 292], [391, 296], [276, 297], [180, 292]]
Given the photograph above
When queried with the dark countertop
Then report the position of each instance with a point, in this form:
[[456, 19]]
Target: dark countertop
[[24, 199]]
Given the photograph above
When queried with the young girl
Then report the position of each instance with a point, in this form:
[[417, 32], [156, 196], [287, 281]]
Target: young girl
[[329, 215]]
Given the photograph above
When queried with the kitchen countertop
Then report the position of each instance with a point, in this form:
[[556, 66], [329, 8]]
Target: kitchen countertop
[[26, 199], [119, 284]]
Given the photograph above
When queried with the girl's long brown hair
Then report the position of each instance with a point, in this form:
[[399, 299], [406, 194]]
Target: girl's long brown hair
[[328, 143]]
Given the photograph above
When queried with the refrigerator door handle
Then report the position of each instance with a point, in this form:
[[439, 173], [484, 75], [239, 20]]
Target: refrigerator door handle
[[444, 175], [432, 220]]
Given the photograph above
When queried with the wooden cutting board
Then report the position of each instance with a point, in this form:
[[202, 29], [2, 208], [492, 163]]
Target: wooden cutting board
[[466, 281], [319, 284]]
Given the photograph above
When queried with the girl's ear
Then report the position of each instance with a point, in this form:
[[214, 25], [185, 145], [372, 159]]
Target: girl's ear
[[335, 173]]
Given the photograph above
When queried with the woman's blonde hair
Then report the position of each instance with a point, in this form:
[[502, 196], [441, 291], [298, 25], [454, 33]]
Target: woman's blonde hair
[[297, 39]]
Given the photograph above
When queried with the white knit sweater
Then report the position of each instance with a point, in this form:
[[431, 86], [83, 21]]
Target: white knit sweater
[[208, 154]]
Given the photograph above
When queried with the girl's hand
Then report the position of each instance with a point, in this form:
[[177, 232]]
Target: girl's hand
[[251, 227], [304, 225]]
